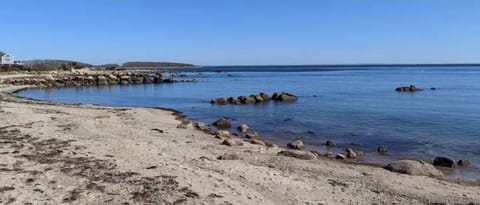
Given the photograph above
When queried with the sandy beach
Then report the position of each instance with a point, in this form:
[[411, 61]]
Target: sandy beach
[[81, 154]]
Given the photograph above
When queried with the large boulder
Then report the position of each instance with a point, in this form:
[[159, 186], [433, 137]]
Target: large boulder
[[286, 97], [258, 98], [233, 100], [444, 162], [297, 144], [412, 167], [223, 123], [249, 100], [265, 96]]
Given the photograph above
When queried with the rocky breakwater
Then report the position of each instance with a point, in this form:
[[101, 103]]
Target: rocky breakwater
[[94, 79], [255, 98]]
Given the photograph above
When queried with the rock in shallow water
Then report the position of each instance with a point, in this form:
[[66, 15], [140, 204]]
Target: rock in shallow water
[[412, 167], [243, 128], [223, 123], [382, 149], [444, 162]]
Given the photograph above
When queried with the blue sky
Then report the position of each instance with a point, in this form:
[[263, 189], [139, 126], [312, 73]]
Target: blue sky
[[243, 32]]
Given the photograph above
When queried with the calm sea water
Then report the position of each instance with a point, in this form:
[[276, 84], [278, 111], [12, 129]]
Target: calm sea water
[[356, 108]]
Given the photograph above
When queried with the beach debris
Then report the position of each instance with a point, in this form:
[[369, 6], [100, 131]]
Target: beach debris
[[229, 156], [297, 144], [463, 162], [243, 128], [444, 162], [382, 149], [223, 123], [253, 135], [284, 96], [330, 143], [413, 167], [223, 134], [299, 154], [410, 88], [341, 156], [232, 142]]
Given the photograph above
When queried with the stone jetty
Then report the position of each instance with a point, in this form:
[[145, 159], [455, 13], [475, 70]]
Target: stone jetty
[[95, 79]]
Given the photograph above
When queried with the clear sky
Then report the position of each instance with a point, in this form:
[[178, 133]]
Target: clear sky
[[243, 32]]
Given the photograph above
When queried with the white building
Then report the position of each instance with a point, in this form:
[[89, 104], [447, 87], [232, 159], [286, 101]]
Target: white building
[[6, 59]]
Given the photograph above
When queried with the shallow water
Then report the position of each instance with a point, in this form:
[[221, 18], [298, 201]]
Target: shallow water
[[356, 108]]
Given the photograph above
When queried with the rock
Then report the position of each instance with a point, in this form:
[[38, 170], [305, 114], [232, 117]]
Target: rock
[[228, 156], [463, 162], [341, 156], [258, 142], [249, 100], [299, 154], [412, 167], [184, 124], [297, 144], [265, 96], [223, 134], [258, 98], [223, 123], [382, 149], [233, 100], [284, 97], [330, 143], [410, 88], [200, 126], [219, 101], [433, 88], [253, 135], [443, 162], [232, 142], [351, 153], [243, 128]]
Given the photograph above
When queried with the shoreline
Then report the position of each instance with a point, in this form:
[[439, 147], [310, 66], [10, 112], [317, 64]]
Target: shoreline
[[344, 179], [181, 117]]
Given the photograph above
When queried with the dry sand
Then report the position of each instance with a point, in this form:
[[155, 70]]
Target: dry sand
[[79, 154]]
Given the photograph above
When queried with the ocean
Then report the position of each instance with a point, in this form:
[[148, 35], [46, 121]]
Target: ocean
[[356, 107]]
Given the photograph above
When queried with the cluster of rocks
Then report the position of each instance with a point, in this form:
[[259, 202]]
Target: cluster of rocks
[[252, 99], [410, 88], [296, 149], [103, 79]]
